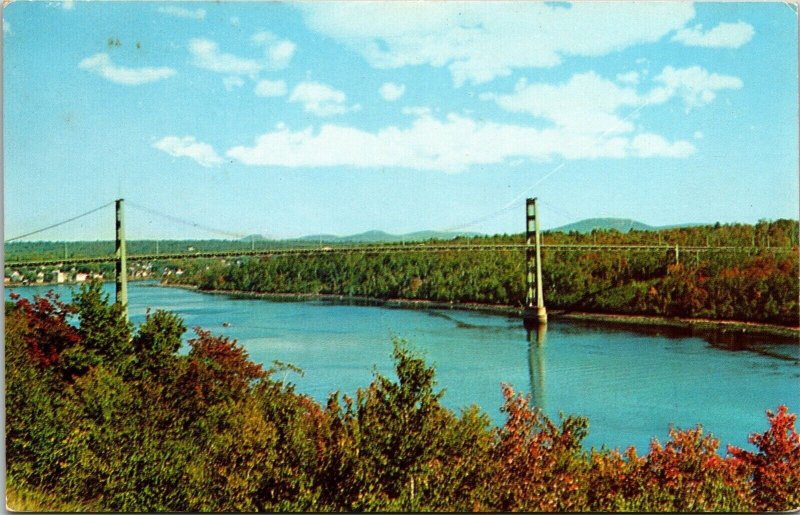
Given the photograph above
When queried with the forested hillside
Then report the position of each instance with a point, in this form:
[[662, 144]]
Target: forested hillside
[[754, 283]]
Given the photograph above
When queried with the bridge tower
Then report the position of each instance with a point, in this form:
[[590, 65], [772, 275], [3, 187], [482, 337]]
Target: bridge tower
[[534, 299], [122, 266]]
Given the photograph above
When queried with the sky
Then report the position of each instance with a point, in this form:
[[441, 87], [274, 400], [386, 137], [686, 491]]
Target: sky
[[289, 119]]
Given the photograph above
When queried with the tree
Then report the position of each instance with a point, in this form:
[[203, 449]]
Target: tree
[[775, 468], [104, 329], [158, 340], [540, 464], [383, 443]]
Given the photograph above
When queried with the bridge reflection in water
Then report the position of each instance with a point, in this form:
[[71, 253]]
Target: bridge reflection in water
[[537, 336]]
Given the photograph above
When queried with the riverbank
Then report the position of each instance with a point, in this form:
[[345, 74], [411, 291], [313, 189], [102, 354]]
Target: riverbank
[[75, 283], [702, 325]]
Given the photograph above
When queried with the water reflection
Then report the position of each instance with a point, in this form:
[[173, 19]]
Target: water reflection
[[537, 336]]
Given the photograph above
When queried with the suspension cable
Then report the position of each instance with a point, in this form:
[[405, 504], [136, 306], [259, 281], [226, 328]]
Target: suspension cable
[[186, 222], [516, 200], [58, 224]]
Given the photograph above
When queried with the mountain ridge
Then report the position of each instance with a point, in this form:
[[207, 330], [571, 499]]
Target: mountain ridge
[[373, 236], [382, 236], [620, 224], [377, 236]]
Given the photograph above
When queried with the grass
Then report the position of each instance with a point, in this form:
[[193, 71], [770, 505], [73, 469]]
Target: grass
[[25, 500]]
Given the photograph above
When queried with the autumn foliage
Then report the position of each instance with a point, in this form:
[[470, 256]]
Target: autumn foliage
[[102, 415], [48, 333], [751, 284], [773, 470]]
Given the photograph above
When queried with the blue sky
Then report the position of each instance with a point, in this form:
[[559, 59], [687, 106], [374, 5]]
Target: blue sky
[[287, 119]]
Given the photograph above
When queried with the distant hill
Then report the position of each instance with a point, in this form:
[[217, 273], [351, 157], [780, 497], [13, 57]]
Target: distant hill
[[604, 224], [380, 236], [254, 237], [620, 224]]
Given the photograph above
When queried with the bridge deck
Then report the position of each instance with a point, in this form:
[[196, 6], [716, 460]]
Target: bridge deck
[[379, 249]]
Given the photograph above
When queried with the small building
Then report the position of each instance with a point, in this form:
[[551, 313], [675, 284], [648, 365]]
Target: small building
[[16, 277], [59, 276], [6, 280], [40, 277], [81, 277]]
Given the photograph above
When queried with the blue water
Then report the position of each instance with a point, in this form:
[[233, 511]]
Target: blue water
[[630, 385]]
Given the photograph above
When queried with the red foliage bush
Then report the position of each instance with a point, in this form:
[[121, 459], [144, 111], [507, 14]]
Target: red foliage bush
[[49, 333], [775, 469], [539, 462], [219, 368]]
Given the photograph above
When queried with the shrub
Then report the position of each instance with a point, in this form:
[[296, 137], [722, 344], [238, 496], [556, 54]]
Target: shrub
[[774, 470]]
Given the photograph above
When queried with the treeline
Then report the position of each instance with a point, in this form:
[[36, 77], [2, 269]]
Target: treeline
[[767, 234], [751, 284], [110, 417]]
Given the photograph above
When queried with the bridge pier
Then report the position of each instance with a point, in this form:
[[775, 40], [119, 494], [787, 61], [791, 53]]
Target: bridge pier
[[121, 257], [534, 299]]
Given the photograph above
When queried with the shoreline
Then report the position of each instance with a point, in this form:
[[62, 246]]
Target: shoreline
[[75, 283], [704, 325]]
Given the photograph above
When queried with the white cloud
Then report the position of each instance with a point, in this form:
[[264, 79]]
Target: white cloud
[[479, 41], [724, 35], [232, 81], [68, 5], [270, 88], [451, 145], [586, 103], [652, 145], [277, 55], [629, 77], [101, 65], [416, 110], [391, 91], [695, 85], [320, 99], [188, 146], [698, 135], [279, 52], [206, 55], [585, 114], [180, 12], [590, 104]]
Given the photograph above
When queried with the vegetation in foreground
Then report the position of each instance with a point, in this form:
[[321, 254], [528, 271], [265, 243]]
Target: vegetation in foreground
[[110, 417], [756, 283]]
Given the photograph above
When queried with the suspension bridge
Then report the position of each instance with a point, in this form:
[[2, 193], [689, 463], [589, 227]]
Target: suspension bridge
[[532, 249], [296, 248]]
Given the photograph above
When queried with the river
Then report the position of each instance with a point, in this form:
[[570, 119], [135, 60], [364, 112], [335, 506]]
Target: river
[[630, 384]]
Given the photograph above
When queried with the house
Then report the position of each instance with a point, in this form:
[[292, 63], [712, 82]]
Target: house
[[59, 276], [81, 277], [6, 280], [40, 277], [16, 277]]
